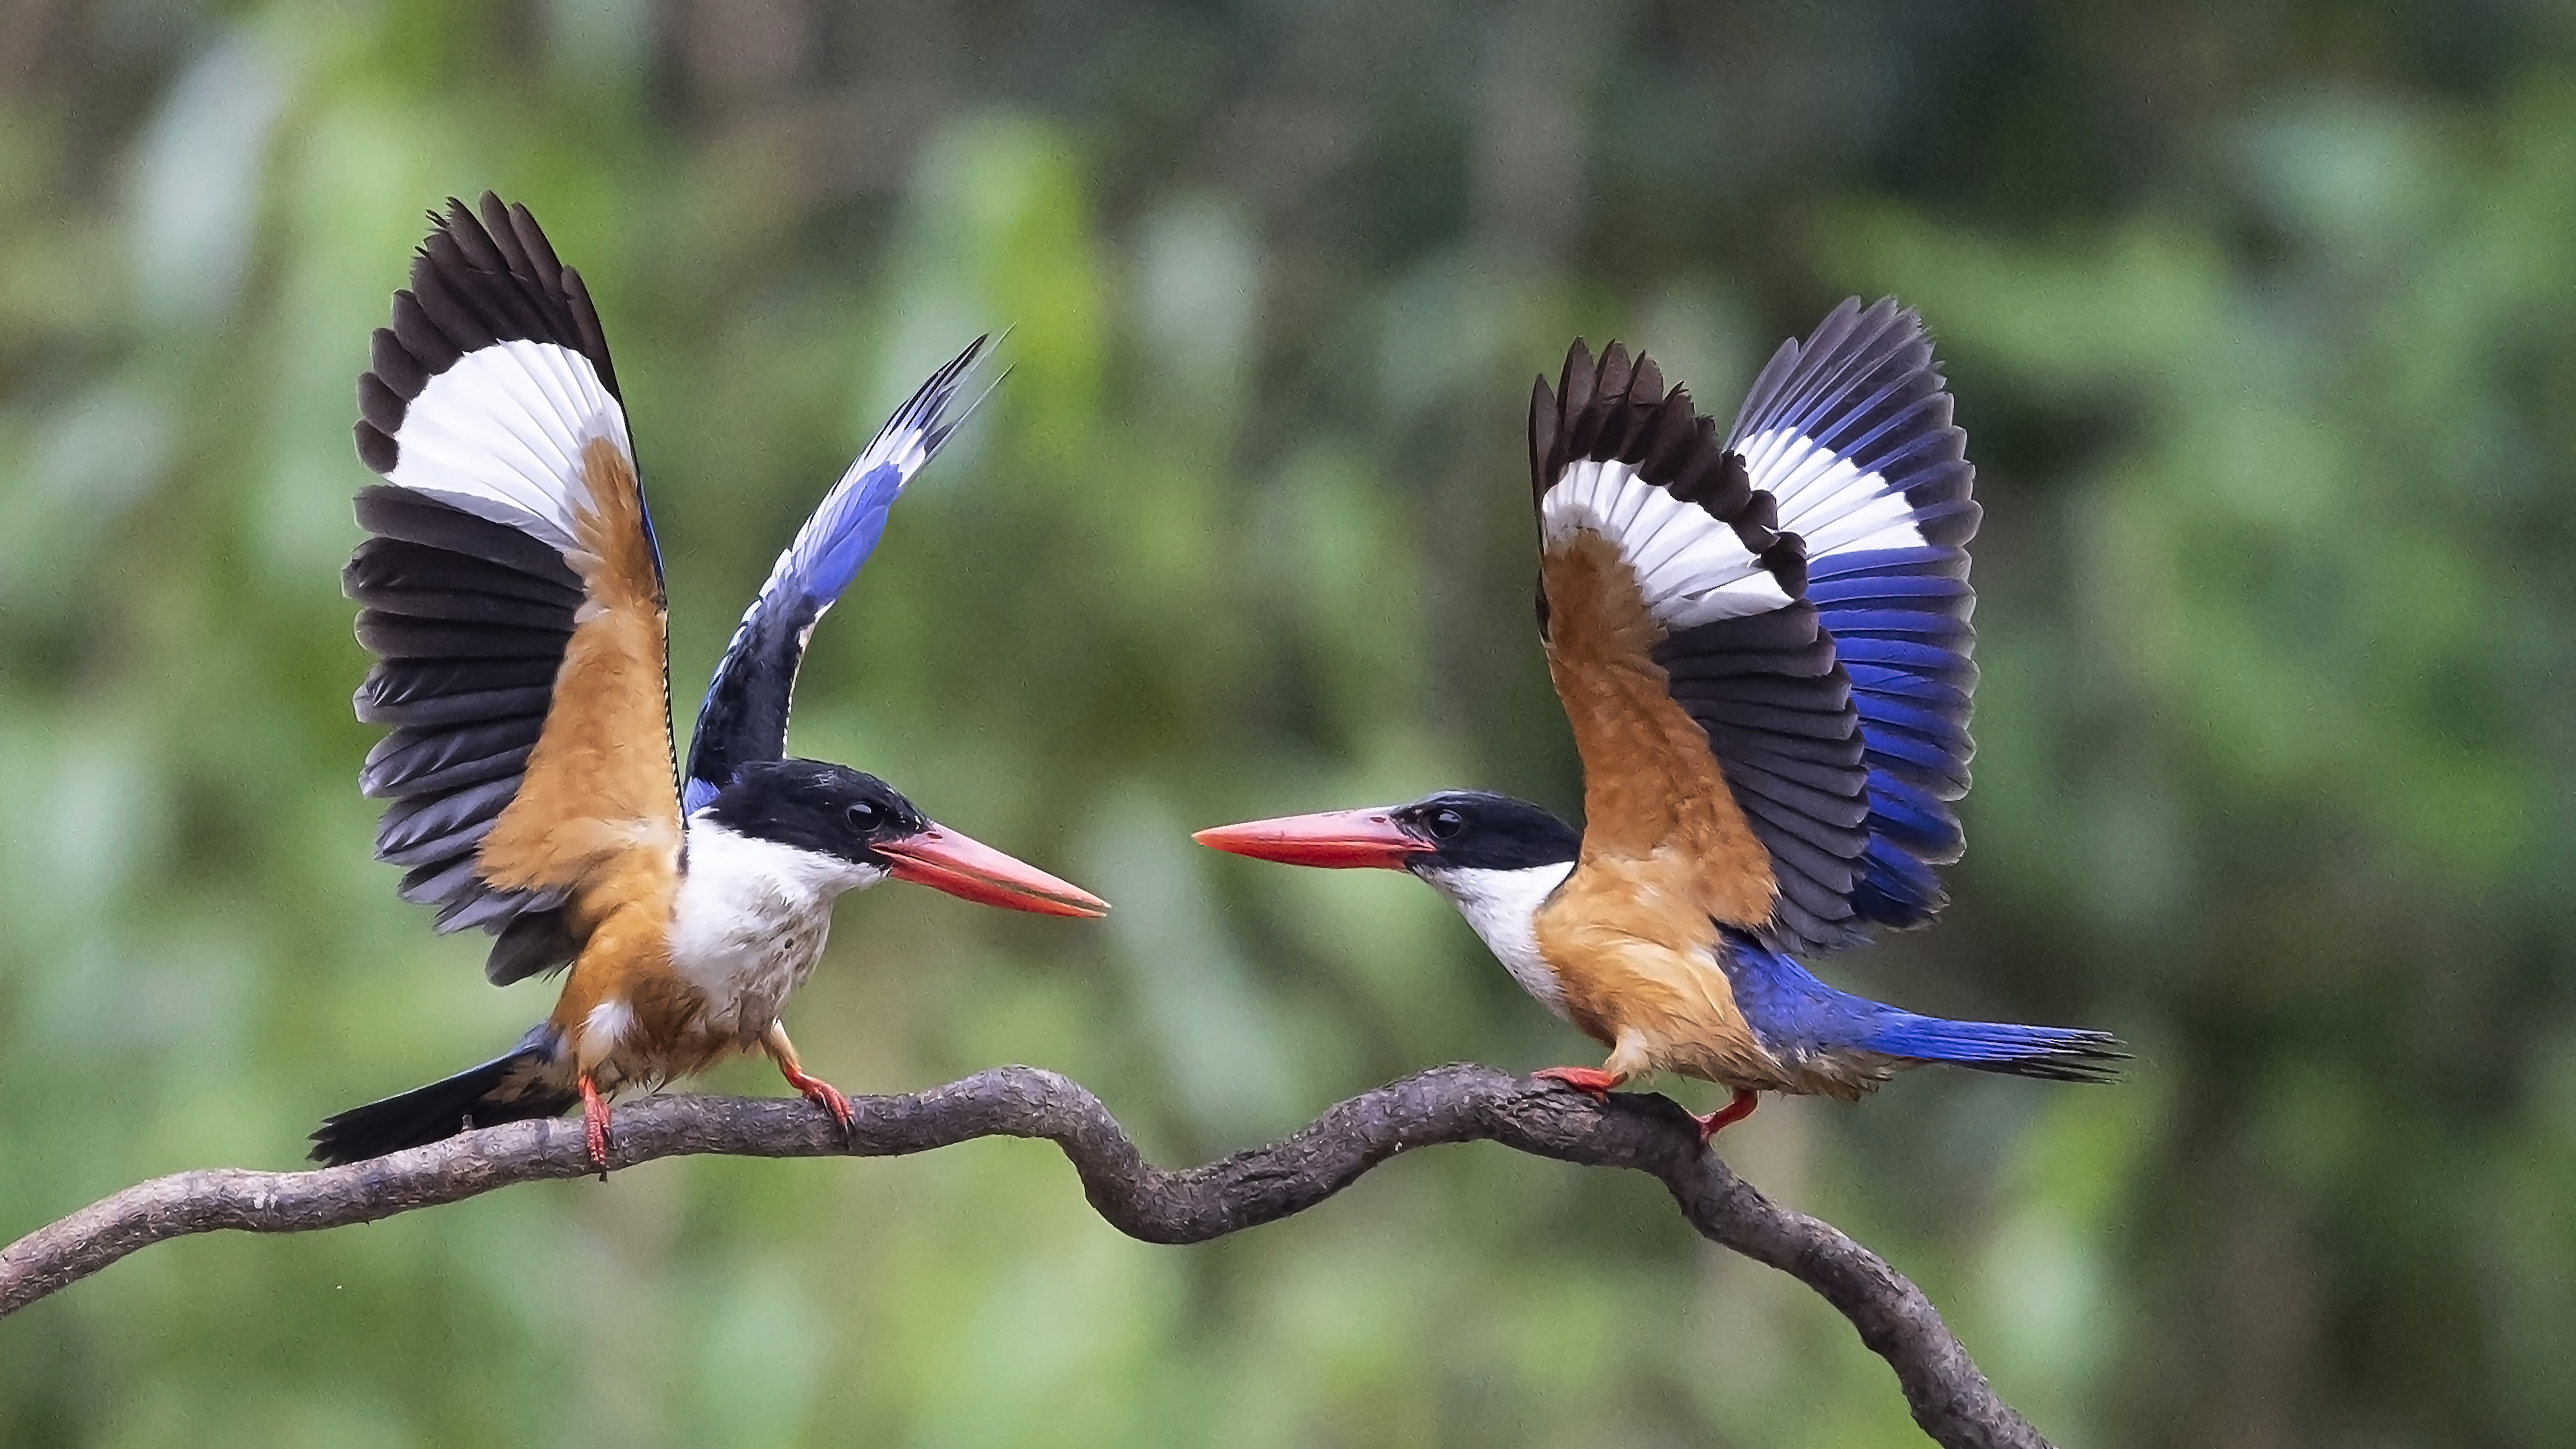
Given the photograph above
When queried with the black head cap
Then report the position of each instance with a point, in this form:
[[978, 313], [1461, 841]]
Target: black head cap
[[1480, 830], [824, 808]]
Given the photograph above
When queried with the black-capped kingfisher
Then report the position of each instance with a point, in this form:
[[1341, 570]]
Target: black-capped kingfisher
[[1763, 648], [512, 593]]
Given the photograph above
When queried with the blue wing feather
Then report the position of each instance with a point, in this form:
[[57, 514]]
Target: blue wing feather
[[1851, 431], [1932, 661], [1886, 589], [1903, 753], [846, 529], [1922, 621], [1898, 685], [1940, 727], [745, 714], [1889, 563], [1909, 812]]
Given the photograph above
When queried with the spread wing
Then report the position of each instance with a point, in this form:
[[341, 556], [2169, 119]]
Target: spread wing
[[1707, 705], [1799, 595], [512, 596], [1850, 432], [745, 714]]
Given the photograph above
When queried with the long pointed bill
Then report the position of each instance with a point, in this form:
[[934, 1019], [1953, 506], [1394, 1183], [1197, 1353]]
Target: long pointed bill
[[1335, 839], [973, 871]]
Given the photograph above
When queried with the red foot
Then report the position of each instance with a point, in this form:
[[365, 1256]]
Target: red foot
[[822, 1094], [594, 1127], [1727, 1116], [1590, 1081]]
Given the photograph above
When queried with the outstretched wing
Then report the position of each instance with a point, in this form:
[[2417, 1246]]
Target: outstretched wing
[[513, 598], [1798, 594], [745, 715], [1713, 721], [1850, 432]]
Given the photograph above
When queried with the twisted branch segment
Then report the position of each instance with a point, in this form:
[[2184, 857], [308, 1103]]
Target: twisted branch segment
[[1951, 1400]]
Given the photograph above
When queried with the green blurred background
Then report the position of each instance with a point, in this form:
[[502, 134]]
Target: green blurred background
[[2263, 324]]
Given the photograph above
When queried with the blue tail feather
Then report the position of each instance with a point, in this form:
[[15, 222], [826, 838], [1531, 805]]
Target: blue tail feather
[[1797, 1015], [2061, 1054]]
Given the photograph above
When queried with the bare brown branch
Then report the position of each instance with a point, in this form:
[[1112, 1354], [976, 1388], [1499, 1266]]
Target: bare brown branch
[[1950, 1398]]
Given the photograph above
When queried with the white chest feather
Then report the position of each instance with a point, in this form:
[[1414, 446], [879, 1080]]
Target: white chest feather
[[751, 920], [1502, 906]]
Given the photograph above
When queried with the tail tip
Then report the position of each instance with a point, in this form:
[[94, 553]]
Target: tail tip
[[2066, 1055]]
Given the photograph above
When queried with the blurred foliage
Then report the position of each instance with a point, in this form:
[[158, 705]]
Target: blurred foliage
[[2263, 324]]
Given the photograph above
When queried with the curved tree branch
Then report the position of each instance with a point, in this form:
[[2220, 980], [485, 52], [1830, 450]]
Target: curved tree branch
[[1950, 1398]]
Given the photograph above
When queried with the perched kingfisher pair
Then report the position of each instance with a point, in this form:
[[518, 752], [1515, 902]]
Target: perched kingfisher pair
[[1762, 646]]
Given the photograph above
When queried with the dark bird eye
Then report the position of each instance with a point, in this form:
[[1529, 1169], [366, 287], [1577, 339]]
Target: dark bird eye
[[1445, 823], [864, 817]]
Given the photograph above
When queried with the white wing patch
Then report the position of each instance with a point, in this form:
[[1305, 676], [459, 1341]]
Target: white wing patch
[[499, 435], [1691, 568], [1825, 500]]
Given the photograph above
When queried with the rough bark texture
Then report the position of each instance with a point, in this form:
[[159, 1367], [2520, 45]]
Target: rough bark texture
[[1950, 1398]]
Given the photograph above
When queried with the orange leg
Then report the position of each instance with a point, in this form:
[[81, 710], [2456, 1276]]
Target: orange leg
[[594, 1125], [1727, 1116], [821, 1093], [1592, 1082]]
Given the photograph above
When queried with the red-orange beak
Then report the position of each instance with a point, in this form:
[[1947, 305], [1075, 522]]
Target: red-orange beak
[[972, 871], [1335, 839]]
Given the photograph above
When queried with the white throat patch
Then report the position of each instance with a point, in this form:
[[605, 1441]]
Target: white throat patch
[[751, 920], [1502, 906]]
